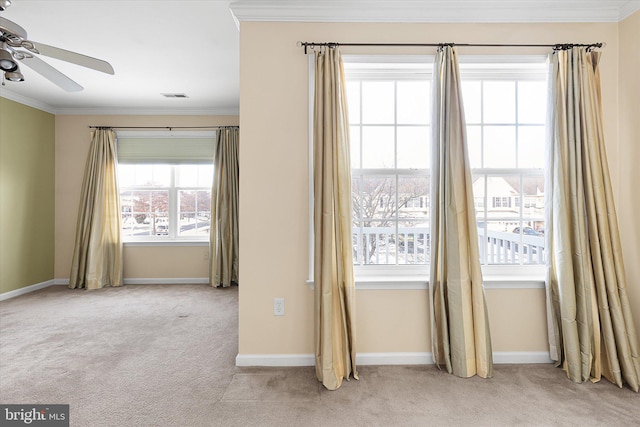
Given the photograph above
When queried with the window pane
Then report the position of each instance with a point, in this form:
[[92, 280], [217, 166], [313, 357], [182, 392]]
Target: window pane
[[531, 152], [532, 102], [377, 198], [503, 193], [378, 103], [530, 246], [194, 175], [354, 138], [204, 201], [533, 203], [378, 242], [136, 217], [474, 143], [413, 197], [479, 197], [413, 147], [356, 198], [356, 241], [160, 201], [502, 245], [499, 147], [143, 175], [141, 201], [128, 224], [187, 201], [195, 212], [126, 175], [187, 176], [471, 95], [353, 101], [413, 102], [377, 147], [413, 242], [499, 102], [160, 224], [152, 175]]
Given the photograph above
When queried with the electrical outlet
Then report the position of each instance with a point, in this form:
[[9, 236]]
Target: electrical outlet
[[278, 306]]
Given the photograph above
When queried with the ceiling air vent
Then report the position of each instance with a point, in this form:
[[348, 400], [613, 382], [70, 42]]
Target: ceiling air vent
[[174, 95]]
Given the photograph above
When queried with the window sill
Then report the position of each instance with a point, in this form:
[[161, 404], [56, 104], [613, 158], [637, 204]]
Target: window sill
[[417, 282], [134, 243]]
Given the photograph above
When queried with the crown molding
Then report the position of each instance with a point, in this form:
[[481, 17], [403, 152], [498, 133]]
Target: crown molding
[[436, 11], [628, 9], [116, 111], [30, 102], [148, 111]]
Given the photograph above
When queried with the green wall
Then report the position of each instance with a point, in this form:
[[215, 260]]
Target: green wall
[[27, 162]]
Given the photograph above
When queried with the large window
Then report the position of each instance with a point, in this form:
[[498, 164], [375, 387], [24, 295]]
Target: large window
[[505, 110], [165, 185], [389, 113], [389, 119]]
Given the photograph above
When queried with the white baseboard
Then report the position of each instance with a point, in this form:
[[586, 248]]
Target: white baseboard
[[520, 357], [144, 281], [275, 360], [167, 281], [26, 290], [399, 358], [155, 281], [395, 358]]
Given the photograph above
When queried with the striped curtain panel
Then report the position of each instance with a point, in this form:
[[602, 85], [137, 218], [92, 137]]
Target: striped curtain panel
[[592, 329], [461, 341], [223, 234], [97, 254], [334, 287]]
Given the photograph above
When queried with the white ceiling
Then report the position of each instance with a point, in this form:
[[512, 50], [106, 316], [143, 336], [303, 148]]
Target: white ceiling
[[192, 47]]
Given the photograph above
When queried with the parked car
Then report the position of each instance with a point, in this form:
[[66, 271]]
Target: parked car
[[527, 230], [162, 229]]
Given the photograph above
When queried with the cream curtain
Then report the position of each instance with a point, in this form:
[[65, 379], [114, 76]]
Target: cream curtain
[[459, 323], [592, 327], [223, 234], [334, 289], [97, 254]]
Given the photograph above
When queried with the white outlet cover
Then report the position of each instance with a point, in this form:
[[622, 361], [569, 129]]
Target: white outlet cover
[[278, 306]]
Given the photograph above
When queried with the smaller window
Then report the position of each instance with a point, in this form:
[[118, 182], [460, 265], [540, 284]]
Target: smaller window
[[501, 202], [165, 181], [165, 201]]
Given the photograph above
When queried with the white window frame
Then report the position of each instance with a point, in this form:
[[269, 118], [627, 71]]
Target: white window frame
[[410, 277], [172, 238]]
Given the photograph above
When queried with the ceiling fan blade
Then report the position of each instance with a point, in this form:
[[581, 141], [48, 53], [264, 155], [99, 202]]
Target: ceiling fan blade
[[74, 58], [52, 74]]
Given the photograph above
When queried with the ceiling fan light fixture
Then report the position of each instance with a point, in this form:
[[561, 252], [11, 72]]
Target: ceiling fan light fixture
[[7, 63], [14, 76]]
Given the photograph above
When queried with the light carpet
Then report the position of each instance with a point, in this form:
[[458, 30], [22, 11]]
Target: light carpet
[[163, 355]]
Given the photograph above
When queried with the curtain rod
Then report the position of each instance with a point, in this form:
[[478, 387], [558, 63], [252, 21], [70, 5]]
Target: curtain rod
[[164, 127], [557, 46]]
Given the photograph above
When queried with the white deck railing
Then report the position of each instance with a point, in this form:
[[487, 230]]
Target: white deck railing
[[379, 245]]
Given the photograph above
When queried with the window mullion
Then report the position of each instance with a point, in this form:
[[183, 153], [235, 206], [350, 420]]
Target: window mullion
[[395, 165], [173, 204]]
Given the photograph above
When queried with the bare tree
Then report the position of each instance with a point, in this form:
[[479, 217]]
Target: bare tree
[[381, 202]]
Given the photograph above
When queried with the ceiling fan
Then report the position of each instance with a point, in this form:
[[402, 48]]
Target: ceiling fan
[[15, 48]]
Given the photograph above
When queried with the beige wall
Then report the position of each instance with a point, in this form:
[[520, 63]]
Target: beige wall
[[72, 146], [274, 111], [26, 195], [629, 172]]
